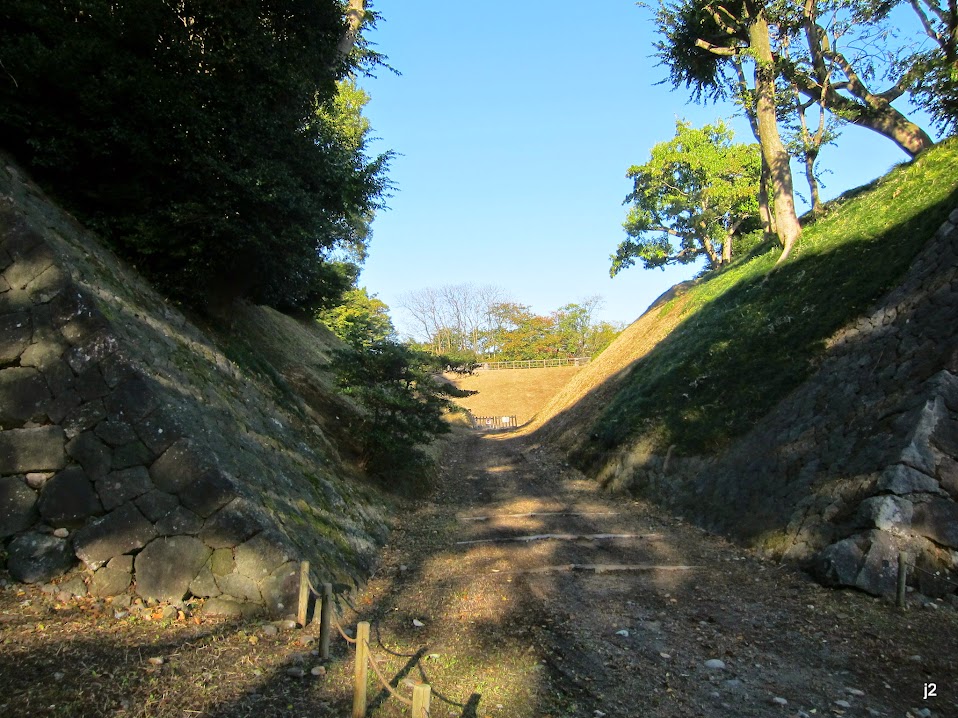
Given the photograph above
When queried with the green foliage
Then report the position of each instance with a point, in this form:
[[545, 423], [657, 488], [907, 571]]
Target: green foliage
[[751, 334], [208, 141], [361, 320], [699, 190], [403, 403]]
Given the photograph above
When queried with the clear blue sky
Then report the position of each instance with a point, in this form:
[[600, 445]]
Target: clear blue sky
[[515, 123]]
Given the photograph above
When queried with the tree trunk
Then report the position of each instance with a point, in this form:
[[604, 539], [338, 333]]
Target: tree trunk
[[355, 12], [764, 206], [773, 152], [810, 157], [710, 251]]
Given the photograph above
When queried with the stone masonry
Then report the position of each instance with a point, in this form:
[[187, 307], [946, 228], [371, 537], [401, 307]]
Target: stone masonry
[[861, 462], [133, 448]]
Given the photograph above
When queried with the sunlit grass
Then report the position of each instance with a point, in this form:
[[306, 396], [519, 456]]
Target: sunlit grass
[[754, 332]]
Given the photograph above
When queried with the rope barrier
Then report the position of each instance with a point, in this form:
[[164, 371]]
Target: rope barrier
[[342, 632], [379, 640], [935, 576], [382, 679]]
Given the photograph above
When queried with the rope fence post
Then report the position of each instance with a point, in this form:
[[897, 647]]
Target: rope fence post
[[900, 599], [325, 618], [303, 605], [420, 700], [359, 673]]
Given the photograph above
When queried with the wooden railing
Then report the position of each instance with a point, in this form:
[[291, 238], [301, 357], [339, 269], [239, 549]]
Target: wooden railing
[[533, 363]]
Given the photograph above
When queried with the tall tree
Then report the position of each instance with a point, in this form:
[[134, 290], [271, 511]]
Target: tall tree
[[937, 88], [195, 137], [696, 192], [700, 38]]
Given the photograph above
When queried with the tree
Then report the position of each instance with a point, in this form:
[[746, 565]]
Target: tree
[[206, 141], [403, 404], [517, 334], [937, 88], [361, 320], [703, 40], [690, 199], [453, 317]]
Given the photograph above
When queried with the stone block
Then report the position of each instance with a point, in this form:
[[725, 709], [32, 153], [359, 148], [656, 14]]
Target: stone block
[[240, 586], [903, 480], [233, 524], [36, 557], [119, 487], [115, 369], [90, 385], [68, 499], [110, 581], [37, 449], [132, 400], [122, 530], [15, 333], [46, 285], [885, 512], [204, 585], [115, 433], [937, 520], [133, 454], [84, 417], [24, 397], [261, 555], [280, 590], [181, 464], [839, 563], [946, 437], [948, 475], [18, 506], [44, 352], [30, 265], [167, 566], [225, 607], [63, 405], [156, 504], [222, 562], [157, 432], [209, 493], [879, 572], [92, 454], [179, 521]]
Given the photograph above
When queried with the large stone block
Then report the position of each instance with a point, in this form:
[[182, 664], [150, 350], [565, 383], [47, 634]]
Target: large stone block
[[885, 512], [937, 520], [156, 504], [167, 566], [123, 530], [180, 465], [280, 589], [94, 456], [879, 572], [233, 524], [15, 333], [39, 449], [132, 400], [35, 557], [113, 579], [179, 521], [68, 499], [23, 397], [118, 487], [240, 586], [261, 555], [903, 480], [18, 506], [839, 563]]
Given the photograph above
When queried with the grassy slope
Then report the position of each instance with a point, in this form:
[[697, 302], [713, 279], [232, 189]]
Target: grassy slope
[[512, 392], [710, 363]]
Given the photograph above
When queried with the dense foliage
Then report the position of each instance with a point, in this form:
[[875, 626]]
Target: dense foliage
[[693, 196], [360, 320], [208, 141], [403, 403]]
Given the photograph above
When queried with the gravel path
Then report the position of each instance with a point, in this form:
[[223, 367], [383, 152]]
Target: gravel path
[[615, 609]]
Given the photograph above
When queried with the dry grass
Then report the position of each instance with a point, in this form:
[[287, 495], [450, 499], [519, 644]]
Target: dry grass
[[512, 392]]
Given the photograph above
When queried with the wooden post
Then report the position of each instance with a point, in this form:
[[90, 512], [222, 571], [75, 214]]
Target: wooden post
[[359, 670], [303, 593], [900, 602], [420, 700], [325, 619]]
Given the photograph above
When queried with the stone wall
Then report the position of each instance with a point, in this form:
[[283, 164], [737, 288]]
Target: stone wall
[[860, 462], [132, 445]]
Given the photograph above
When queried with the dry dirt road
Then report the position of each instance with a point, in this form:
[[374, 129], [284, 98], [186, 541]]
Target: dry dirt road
[[680, 624]]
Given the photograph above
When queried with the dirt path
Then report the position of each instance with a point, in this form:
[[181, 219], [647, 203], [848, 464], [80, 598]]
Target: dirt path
[[508, 629]]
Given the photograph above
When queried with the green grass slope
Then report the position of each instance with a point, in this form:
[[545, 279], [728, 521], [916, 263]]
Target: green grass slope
[[740, 340]]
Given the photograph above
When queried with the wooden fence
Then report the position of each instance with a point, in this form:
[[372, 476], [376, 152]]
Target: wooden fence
[[421, 692], [490, 423], [533, 363]]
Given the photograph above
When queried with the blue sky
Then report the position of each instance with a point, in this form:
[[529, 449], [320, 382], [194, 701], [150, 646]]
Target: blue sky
[[515, 124]]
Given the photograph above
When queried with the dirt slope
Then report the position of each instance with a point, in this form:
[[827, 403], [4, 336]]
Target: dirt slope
[[512, 392]]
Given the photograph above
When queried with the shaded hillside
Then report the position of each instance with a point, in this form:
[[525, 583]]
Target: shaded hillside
[[705, 368], [156, 454]]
